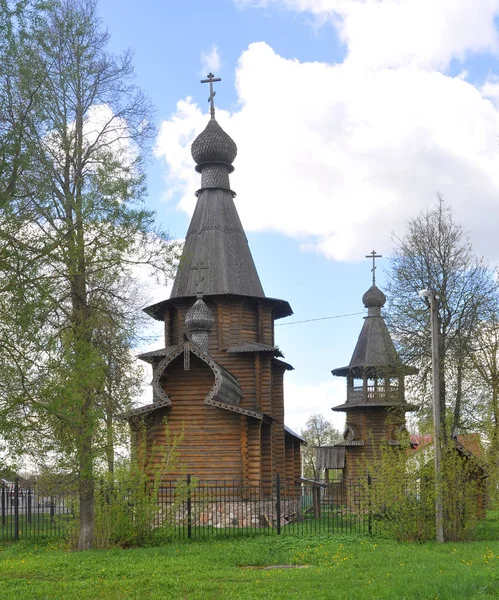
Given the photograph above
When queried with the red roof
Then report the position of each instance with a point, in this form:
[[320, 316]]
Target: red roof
[[469, 441]]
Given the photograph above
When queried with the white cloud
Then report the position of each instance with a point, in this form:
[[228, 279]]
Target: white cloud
[[490, 89], [391, 33], [303, 400], [210, 61], [340, 156]]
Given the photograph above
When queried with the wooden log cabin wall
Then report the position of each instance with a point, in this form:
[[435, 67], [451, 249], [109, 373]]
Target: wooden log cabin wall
[[218, 382]]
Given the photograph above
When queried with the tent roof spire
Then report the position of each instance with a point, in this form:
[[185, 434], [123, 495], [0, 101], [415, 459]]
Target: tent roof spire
[[375, 351], [216, 257]]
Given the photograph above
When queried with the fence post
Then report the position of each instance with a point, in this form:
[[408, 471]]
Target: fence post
[[16, 509], [278, 502], [189, 508], [28, 505], [370, 516], [4, 505]]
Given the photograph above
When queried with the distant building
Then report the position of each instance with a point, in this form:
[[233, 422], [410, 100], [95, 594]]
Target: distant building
[[219, 379]]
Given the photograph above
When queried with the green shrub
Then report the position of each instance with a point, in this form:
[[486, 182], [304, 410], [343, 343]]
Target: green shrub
[[128, 510], [401, 498]]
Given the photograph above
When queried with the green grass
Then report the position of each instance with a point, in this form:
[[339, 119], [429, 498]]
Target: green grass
[[350, 568]]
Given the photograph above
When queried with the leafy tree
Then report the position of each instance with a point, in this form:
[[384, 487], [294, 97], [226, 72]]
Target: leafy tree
[[436, 253], [77, 221], [19, 91], [318, 432]]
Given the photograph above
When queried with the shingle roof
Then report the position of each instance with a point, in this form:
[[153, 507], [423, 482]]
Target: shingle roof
[[155, 354], [216, 259], [283, 364], [216, 242], [375, 352], [253, 347], [289, 431], [213, 145], [367, 403]]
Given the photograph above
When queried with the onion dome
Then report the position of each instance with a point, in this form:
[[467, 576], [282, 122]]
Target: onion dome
[[214, 151], [199, 320], [374, 297], [213, 145], [199, 317]]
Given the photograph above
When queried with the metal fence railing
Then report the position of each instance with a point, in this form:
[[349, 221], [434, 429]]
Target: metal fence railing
[[199, 509], [29, 511]]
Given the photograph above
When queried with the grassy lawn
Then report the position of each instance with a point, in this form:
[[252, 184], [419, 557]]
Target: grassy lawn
[[350, 568]]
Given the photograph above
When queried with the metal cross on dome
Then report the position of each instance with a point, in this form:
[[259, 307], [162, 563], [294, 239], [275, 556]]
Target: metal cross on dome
[[374, 256], [210, 80]]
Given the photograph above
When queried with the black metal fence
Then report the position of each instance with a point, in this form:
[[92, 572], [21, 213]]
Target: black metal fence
[[29, 511], [195, 510], [279, 507]]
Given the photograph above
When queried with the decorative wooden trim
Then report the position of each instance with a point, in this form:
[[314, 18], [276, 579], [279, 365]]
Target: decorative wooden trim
[[188, 347], [234, 408]]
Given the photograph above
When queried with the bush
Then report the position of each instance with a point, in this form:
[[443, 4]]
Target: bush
[[401, 498], [128, 512]]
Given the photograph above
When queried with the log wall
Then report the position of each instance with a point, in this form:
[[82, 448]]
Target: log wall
[[217, 443], [376, 426]]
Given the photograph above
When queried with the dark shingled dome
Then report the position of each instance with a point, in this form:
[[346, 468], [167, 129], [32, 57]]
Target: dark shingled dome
[[213, 145], [373, 297], [199, 317]]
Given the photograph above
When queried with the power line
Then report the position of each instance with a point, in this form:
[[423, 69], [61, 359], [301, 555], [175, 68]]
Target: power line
[[150, 338], [319, 319]]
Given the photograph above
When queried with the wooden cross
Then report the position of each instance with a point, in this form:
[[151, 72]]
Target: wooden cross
[[374, 256], [210, 80], [199, 267]]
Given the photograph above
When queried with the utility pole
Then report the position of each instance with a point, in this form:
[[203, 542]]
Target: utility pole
[[437, 434]]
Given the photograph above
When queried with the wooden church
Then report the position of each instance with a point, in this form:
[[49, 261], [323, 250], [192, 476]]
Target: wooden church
[[375, 404], [218, 381]]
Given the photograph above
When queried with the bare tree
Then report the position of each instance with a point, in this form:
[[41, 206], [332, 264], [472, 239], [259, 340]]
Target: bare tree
[[436, 253], [485, 360], [318, 432]]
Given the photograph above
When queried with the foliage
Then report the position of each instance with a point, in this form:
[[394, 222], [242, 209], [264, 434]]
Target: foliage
[[436, 253], [129, 509], [401, 499], [72, 230], [339, 568], [318, 432], [20, 81]]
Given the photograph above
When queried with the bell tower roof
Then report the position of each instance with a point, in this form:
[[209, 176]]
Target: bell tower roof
[[375, 354]]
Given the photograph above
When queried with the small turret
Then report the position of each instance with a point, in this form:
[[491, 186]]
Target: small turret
[[199, 321]]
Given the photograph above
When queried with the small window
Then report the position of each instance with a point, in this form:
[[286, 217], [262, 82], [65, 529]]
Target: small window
[[349, 434]]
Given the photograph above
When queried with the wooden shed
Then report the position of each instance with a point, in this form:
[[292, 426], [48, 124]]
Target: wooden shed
[[218, 380]]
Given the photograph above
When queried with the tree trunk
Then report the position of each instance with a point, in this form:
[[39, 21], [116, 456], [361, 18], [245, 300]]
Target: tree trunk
[[495, 425], [109, 442], [86, 494], [459, 393], [443, 421]]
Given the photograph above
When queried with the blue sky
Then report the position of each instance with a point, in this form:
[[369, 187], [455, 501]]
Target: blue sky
[[349, 117]]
